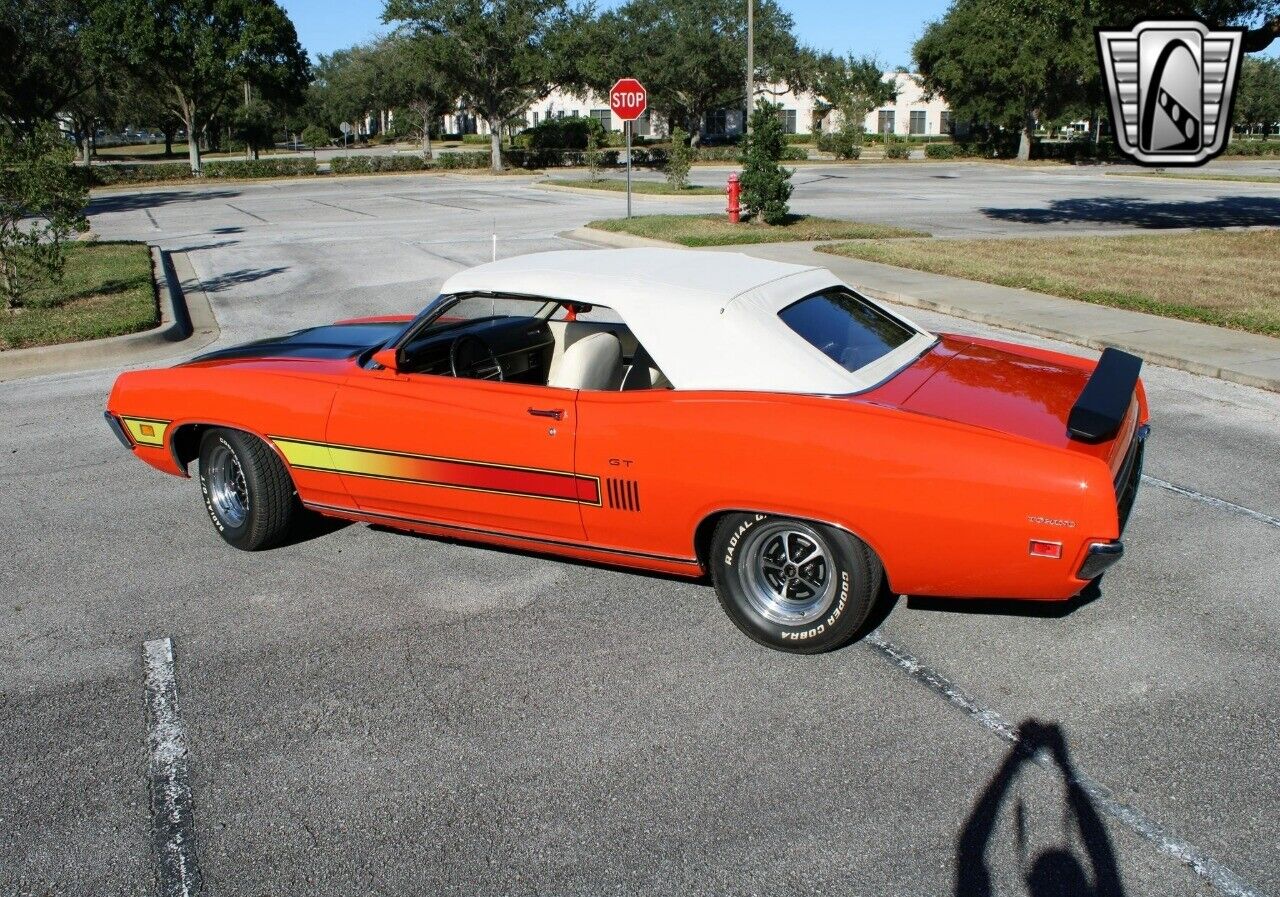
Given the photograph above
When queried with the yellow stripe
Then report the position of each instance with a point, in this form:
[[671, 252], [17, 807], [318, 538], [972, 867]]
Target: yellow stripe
[[145, 431], [306, 454]]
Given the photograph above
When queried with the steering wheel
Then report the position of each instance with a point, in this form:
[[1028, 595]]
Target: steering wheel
[[471, 357]]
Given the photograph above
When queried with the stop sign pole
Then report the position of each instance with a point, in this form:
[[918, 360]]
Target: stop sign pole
[[628, 99]]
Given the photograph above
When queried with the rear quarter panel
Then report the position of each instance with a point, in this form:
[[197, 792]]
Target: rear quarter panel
[[946, 506]]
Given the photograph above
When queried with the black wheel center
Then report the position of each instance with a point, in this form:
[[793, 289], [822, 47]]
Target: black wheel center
[[790, 571]]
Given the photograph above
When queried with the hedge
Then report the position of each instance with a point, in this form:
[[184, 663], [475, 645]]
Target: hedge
[[137, 173], [952, 151], [375, 164], [462, 160], [1253, 148], [260, 168]]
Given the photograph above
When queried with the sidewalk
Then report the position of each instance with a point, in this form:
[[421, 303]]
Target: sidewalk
[[1234, 355]]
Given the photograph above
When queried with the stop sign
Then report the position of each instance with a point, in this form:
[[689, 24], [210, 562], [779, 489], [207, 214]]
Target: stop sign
[[628, 99]]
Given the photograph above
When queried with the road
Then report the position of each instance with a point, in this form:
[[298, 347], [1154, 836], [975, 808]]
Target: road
[[374, 712]]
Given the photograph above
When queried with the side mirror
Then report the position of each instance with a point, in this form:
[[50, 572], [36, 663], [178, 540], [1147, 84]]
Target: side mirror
[[385, 358]]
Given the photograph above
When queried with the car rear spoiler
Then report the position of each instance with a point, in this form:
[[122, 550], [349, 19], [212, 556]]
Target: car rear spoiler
[[1104, 400]]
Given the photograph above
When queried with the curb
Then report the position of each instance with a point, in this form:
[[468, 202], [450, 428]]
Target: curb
[[652, 197], [184, 312], [614, 240]]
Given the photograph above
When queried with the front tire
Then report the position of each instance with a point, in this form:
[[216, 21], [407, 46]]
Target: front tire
[[793, 585], [247, 490]]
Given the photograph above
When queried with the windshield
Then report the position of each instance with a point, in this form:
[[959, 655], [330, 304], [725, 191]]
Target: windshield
[[849, 331]]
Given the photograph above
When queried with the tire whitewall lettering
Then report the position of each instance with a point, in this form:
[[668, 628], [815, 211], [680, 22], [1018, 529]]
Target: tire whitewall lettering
[[793, 585]]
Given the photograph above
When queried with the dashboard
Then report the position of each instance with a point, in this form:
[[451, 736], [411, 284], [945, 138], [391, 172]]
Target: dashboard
[[520, 346]]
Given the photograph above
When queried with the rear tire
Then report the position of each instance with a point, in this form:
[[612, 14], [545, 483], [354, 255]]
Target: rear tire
[[793, 585], [247, 490]]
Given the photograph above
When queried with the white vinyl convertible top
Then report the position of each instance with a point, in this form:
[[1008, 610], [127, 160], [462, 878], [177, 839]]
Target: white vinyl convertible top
[[708, 319]]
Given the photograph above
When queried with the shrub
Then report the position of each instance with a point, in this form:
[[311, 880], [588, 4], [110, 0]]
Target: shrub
[[593, 156], [482, 139], [561, 134], [1253, 148], [137, 173], [896, 148], [315, 136], [679, 158], [463, 160], [951, 151], [845, 143], [795, 154], [260, 168], [725, 153], [800, 138], [766, 185], [375, 164]]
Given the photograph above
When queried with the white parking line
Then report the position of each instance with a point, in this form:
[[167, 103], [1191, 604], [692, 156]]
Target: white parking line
[[1213, 500], [168, 774], [1209, 869]]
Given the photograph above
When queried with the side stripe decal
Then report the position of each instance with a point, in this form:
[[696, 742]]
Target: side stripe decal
[[448, 473]]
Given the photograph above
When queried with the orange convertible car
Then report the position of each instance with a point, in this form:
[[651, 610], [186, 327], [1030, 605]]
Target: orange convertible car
[[686, 412]]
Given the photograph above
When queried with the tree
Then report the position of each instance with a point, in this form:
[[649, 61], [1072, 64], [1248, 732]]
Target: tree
[[1258, 96], [42, 200], [37, 38], [502, 55], [203, 51], [1007, 62], [252, 125], [689, 54], [852, 86], [766, 185], [679, 159], [425, 91]]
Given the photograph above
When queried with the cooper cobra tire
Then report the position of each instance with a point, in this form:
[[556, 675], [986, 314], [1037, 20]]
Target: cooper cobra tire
[[791, 584], [247, 491]]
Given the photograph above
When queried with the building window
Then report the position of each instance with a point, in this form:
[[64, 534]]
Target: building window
[[717, 122], [944, 125], [604, 116], [643, 126], [885, 123], [788, 119], [535, 119], [917, 121]]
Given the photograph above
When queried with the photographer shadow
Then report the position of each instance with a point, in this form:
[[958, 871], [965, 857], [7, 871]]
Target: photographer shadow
[[1056, 871]]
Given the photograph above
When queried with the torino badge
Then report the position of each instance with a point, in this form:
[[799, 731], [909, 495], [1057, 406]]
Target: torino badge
[[1171, 84]]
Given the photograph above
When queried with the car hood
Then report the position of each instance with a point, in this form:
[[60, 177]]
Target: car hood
[[332, 341], [1015, 390]]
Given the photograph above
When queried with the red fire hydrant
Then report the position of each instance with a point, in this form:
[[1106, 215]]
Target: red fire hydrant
[[734, 190]]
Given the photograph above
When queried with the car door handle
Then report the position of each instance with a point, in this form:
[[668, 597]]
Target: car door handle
[[553, 413]]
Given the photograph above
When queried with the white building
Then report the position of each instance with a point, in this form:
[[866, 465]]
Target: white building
[[909, 114]]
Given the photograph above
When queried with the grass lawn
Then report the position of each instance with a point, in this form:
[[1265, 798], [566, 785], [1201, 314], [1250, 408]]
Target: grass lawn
[[1200, 176], [715, 230], [106, 290], [1227, 278], [619, 185]]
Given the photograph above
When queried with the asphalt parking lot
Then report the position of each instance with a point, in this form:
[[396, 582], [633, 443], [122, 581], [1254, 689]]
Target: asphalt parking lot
[[373, 712]]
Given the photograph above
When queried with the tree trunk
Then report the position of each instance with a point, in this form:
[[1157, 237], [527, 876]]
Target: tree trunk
[[86, 148], [1024, 141], [168, 142], [495, 144], [193, 139]]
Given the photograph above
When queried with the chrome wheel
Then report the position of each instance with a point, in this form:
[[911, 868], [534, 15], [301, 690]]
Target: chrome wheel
[[228, 492], [786, 573]]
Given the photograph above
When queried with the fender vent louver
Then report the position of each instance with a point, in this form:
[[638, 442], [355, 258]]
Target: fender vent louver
[[623, 494]]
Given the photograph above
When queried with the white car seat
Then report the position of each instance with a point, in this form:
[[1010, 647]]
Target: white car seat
[[593, 362]]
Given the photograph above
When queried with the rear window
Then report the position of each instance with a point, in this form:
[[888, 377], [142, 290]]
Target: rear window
[[849, 331]]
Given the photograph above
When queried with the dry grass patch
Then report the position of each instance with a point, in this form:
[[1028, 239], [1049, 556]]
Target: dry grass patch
[[1227, 278], [1200, 176]]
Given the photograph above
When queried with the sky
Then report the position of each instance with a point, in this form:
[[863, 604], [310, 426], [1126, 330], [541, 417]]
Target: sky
[[883, 30]]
